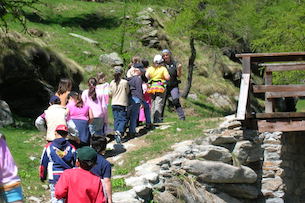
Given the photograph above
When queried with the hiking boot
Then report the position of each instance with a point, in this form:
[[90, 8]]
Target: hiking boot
[[117, 137], [150, 126]]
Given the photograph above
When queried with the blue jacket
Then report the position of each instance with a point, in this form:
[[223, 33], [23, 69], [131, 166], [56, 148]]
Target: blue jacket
[[57, 156]]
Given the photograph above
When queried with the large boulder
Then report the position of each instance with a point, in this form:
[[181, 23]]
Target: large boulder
[[218, 172], [5, 114], [30, 72], [213, 153], [112, 59], [247, 152]]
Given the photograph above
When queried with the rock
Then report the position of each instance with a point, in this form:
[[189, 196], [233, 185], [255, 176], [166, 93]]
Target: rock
[[274, 200], [91, 41], [165, 197], [239, 190], [129, 196], [143, 191], [29, 74], [230, 122], [193, 96], [218, 172], [219, 140], [222, 101], [5, 114], [183, 147], [34, 199], [168, 158], [112, 59], [213, 153], [272, 184], [152, 178], [135, 181], [247, 152], [147, 168]]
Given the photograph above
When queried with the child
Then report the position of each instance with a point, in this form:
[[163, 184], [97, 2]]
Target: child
[[95, 100], [103, 87], [57, 156], [135, 85], [79, 185], [10, 184], [119, 90], [55, 115], [64, 88], [80, 114], [102, 167]]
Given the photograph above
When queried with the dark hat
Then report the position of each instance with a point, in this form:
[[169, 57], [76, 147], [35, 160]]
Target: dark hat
[[61, 128], [139, 66], [54, 99], [86, 154]]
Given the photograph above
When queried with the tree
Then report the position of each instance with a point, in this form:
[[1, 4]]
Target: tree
[[190, 69], [15, 9]]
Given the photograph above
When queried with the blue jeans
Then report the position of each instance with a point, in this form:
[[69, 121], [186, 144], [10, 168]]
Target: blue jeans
[[120, 117], [134, 114], [96, 127]]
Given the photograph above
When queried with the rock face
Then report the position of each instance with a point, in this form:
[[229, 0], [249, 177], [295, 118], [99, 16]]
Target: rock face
[[151, 31], [5, 114], [29, 73]]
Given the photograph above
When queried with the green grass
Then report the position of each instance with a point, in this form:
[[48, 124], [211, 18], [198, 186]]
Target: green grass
[[25, 144], [160, 141], [300, 105]]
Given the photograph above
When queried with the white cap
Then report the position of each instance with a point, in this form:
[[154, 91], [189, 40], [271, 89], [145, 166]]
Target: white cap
[[158, 58]]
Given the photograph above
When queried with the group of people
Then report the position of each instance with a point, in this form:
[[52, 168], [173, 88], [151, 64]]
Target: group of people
[[76, 125]]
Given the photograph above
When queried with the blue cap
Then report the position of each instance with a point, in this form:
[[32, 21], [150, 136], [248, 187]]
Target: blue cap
[[54, 99], [166, 51]]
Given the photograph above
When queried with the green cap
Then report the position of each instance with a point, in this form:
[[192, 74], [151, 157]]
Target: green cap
[[86, 154]]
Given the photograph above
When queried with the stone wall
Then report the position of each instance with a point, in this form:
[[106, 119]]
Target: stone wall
[[228, 165]]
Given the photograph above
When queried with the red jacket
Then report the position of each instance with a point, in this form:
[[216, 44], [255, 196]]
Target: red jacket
[[79, 186]]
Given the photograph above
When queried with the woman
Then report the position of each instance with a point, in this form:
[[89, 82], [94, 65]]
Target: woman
[[64, 88], [81, 115], [94, 99], [172, 89], [157, 75], [119, 90], [103, 88]]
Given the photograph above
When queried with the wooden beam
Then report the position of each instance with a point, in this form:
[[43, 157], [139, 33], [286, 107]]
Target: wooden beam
[[244, 90], [285, 67], [280, 115], [278, 88], [268, 101], [272, 95], [282, 126], [270, 54]]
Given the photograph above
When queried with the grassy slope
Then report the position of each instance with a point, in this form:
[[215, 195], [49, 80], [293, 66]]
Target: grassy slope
[[103, 22]]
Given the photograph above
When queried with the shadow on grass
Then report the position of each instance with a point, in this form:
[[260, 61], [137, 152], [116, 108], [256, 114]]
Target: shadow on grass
[[90, 21], [211, 108]]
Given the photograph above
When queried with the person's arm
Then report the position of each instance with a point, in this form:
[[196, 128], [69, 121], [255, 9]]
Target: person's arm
[[166, 74], [179, 70], [40, 124], [90, 115], [61, 187], [147, 74], [43, 168], [108, 186]]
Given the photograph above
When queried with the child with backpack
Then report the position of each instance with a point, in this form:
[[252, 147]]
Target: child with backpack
[[57, 156]]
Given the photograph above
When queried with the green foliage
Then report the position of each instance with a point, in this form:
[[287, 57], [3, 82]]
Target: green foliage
[[246, 26], [15, 10]]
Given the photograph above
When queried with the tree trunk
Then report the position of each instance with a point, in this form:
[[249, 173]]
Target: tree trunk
[[190, 68]]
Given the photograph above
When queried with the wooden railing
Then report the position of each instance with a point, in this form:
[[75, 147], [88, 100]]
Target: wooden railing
[[271, 120]]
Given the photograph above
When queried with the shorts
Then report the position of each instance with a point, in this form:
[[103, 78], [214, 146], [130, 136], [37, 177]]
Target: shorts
[[12, 195]]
